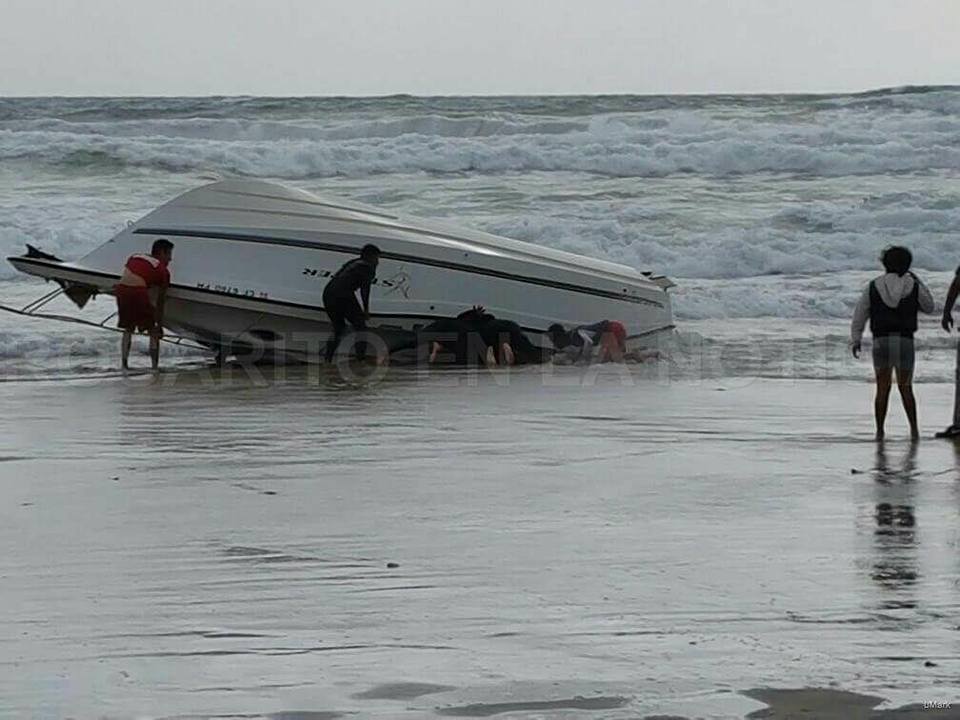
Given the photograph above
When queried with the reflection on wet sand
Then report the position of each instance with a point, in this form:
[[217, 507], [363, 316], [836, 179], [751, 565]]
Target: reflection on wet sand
[[418, 549], [895, 568]]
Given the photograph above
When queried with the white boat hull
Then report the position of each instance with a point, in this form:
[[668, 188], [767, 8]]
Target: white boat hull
[[252, 259]]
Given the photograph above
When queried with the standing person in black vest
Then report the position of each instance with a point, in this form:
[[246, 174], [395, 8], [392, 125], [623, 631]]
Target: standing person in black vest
[[891, 303], [340, 298]]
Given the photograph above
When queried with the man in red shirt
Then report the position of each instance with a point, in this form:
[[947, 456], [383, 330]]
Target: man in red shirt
[[141, 294]]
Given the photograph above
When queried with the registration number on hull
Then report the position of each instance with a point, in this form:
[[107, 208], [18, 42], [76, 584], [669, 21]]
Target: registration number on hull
[[232, 290]]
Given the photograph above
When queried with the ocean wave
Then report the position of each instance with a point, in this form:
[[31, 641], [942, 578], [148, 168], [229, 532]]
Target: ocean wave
[[588, 153], [827, 137], [266, 130], [805, 239], [935, 98]]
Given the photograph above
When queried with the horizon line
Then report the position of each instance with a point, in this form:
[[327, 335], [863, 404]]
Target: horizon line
[[891, 89]]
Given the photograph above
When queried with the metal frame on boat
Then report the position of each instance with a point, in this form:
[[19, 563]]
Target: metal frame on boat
[[33, 310]]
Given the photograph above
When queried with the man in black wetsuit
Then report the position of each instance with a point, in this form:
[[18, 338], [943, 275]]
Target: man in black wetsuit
[[340, 298]]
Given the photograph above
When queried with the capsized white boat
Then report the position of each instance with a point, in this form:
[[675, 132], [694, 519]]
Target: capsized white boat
[[252, 258]]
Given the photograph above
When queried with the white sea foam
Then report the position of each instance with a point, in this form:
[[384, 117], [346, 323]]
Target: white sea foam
[[819, 237], [832, 140]]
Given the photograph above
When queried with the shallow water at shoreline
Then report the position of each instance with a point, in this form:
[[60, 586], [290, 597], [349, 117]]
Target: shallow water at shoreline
[[193, 546]]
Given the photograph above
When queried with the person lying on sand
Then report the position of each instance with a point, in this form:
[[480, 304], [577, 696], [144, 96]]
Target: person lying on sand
[[505, 340], [458, 340], [891, 302], [607, 338], [476, 336], [451, 340]]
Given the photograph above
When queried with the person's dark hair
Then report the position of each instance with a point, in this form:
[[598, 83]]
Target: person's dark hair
[[161, 245], [897, 260], [558, 335], [369, 251], [477, 315]]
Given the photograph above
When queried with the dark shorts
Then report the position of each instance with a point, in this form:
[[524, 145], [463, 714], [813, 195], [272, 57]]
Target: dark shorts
[[894, 351], [134, 310], [342, 309]]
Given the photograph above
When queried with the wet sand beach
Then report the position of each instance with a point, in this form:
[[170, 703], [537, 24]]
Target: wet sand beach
[[451, 545]]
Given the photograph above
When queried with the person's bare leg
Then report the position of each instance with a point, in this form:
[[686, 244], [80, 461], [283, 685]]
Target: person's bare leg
[[605, 353], [884, 382], [125, 342], [507, 354], [435, 348], [602, 356], [905, 386], [490, 358], [618, 352], [155, 351]]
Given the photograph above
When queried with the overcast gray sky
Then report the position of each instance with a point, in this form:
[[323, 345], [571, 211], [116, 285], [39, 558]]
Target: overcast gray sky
[[374, 47]]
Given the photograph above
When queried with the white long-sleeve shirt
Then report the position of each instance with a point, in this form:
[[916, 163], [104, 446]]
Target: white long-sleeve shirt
[[892, 288]]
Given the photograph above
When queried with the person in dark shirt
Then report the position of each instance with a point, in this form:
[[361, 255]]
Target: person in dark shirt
[[340, 298], [891, 302]]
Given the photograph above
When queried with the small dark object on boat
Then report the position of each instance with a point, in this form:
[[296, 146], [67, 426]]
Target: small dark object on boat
[[37, 254]]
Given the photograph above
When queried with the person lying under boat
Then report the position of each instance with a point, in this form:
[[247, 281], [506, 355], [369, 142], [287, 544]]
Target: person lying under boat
[[457, 340], [141, 296], [604, 341], [476, 337], [451, 340], [443, 341], [505, 340], [340, 300]]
